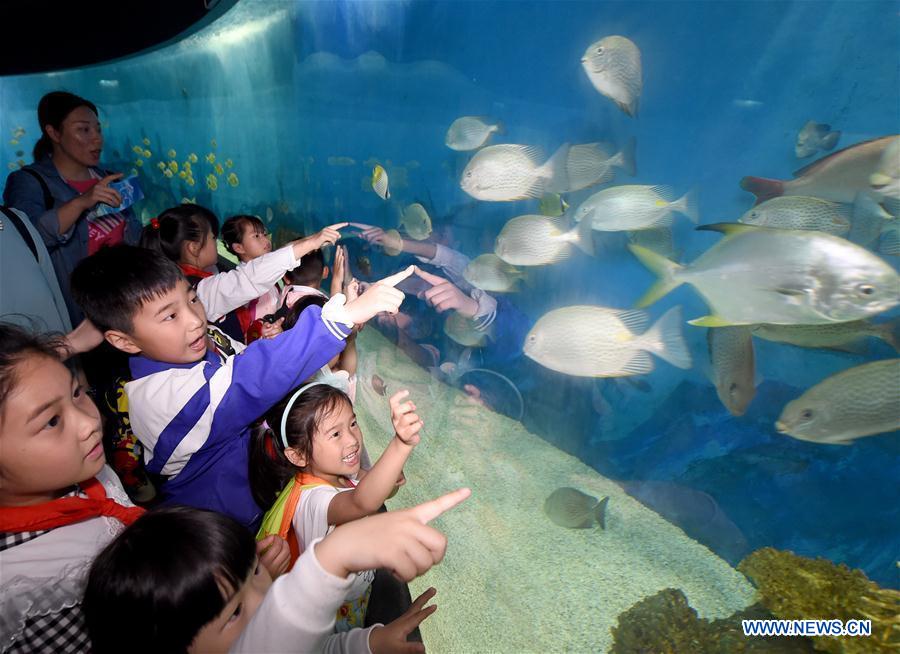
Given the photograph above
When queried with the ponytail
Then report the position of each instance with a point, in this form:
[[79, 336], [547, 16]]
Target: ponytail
[[169, 232], [52, 110]]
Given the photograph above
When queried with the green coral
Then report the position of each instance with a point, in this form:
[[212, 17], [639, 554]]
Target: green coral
[[665, 624], [794, 587]]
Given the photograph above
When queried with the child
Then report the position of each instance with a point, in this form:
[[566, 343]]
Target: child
[[307, 278], [246, 237], [59, 503], [314, 447], [194, 392], [193, 578]]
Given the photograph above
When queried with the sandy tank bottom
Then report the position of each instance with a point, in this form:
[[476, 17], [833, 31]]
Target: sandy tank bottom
[[513, 581]]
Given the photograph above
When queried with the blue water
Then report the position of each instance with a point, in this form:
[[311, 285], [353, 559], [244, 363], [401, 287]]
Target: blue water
[[282, 87]]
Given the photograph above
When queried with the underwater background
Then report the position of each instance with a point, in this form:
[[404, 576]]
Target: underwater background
[[283, 108]]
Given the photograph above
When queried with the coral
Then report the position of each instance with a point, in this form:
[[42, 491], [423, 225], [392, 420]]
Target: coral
[[665, 624], [796, 587]]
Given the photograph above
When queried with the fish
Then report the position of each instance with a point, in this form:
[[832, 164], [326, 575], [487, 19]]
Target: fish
[[392, 242], [416, 221], [778, 276], [886, 179], [147, 154], [212, 182], [171, 154], [380, 182], [613, 64], [837, 177], [20, 153], [659, 239], [229, 163], [232, 179], [733, 364], [192, 157], [538, 240], [146, 141], [213, 144], [14, 141], [569, 507], [173, 166], [635, 207], [189, 181], [490, 273], [552, 204], [869, 218], [890, 239], [746, 103], [500, 173], [800, 212], [182, 175], [378, 385], [341, 161], [364, 265], [138, 150], [463, 331], [186, 200], [219, 169], [470, 132], [813, 137], [211, 158], [589, 164], [839, 336], [861, 401], [161, 165], [592, 341]]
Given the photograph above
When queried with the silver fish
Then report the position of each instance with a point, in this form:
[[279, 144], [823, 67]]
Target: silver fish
[[538, 240], [501, 173], [590, 341], [799, 212], [886, 179], [838, 336], [861, 401], [570, 508], [634, 207], [416, 221], [778, 276], [613, 64], [813, 137], [869, 218], [837, 177], [734, 368], [589, 164], [491, 273], [890, 239], [470, 132]]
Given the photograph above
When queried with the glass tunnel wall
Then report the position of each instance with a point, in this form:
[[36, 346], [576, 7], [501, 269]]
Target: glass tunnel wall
[[283, 109]]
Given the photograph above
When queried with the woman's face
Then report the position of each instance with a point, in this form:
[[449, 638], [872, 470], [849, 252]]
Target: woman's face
[[79, 137]]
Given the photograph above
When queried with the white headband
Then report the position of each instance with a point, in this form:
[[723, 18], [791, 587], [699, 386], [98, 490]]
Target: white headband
[[323, 377]]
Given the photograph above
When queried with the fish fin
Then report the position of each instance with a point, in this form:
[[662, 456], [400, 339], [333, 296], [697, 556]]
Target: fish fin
[[584, 237], [764, 189], [668, 341], [664, 191], [821, 162], [830, 140], [600, 512], [687, 205], [710, 321], [629, 162], [859, 347], [889, 332], [499, 127], [664, 268], [728, 229], [554, 171], [630, 108], [636, 321], [639, 364], [846, 441]]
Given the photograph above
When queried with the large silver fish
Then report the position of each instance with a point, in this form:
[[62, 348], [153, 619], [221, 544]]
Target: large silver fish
[[613, 64], [814, 137], [539, 240], [589, 341], [569, 507], [886, 179], [838, 177], [734, 367], [861, 401], [778, 276], [500, 173]]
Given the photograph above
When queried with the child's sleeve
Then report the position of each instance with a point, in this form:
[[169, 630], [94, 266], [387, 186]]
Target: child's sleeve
[[298, 614], [310, 519], [227, 291]]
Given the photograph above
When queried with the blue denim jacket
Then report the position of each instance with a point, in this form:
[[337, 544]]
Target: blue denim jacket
[[24, 192]]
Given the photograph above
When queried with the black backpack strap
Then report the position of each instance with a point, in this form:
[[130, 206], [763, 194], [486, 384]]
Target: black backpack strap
[[23, 230], [48, 198]]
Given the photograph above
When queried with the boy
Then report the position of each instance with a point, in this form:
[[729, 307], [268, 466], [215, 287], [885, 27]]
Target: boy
[[194, 391], [307, 278]]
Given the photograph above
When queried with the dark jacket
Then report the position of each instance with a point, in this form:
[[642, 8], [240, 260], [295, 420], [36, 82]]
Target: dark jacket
[[24, 192]]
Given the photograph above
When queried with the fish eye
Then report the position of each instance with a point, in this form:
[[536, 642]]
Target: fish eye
[[733, 388], [866, 289], [806, 414], [599, 49], [468, 173]]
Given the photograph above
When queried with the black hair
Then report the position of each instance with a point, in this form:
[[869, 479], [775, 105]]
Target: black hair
[[310, 270], [233, 229], [52, 110], [169, 231], [173, 570], [111, 285], [270, 469], [16, 344], [292, 315]]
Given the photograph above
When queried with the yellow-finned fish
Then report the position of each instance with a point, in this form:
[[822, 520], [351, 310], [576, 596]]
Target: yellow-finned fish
[[212, 182], [632, 207], [171, 153], [590, 341], [490, 273], [553, 205], [613, 64], [380, 182], [778, 276], [799, 212], [232, 179], [416, 221], [861, 401], [463, 331], [146, 141], [734, 367]]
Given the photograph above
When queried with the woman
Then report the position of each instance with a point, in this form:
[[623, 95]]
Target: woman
[[61, 190]]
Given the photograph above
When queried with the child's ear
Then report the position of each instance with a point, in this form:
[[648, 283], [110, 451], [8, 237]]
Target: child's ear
[[121, 341], [295, 457], [238, 248], [192, 250], [325, 271]]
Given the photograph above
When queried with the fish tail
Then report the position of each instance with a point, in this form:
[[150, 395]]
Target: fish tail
[[829, 141], [554, 171], [583, 237], [764, 189], [600, 512], [665, 339], [627, 157], [499, 127], [687, 205], [664, 268], [889, 332]]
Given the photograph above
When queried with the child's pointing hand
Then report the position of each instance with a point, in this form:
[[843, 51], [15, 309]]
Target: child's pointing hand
[[406, 423]]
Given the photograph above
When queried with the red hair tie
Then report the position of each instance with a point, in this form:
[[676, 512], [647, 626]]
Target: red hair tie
[[154, 223]]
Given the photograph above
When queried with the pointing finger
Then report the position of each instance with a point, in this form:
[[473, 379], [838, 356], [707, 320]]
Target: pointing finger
[[428, 277], [395, 279], [428, 511], [337, 226]]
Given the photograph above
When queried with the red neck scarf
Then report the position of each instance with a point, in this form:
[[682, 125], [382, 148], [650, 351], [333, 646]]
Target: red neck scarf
[[67, 511], [193, 271]]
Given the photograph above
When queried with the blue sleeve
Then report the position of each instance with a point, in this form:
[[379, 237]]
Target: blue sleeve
[[24, 192], [508, 333]]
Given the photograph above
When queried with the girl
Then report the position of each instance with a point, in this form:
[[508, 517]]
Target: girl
[[192, 577], [62, 188], [307, 468]]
